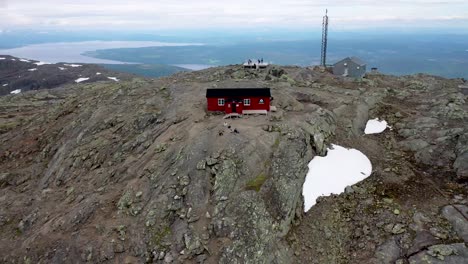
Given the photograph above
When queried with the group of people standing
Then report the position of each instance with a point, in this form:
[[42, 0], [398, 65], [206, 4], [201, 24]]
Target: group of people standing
[[259, 61]]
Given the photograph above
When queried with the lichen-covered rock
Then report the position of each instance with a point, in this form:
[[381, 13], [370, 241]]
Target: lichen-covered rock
[[461, 162], [276, 72], [201, 165], [435, 156], [461, 166], [388, 253], [442, 254], [321, 126], [254, 221], [240, 74], [414, 144], [457, 215]]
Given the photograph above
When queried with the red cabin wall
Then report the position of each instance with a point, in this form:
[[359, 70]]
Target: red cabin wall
[[254, 104], [213, 105]]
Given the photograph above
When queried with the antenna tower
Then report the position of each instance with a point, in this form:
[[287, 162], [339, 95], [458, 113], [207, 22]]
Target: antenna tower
[[323, 58]]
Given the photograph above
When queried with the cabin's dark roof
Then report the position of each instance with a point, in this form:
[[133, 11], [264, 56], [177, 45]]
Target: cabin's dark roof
[[358, 61], [353, 59], [233, 92]]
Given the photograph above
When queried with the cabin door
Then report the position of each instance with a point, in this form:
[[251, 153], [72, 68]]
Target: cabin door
[[234, 107]]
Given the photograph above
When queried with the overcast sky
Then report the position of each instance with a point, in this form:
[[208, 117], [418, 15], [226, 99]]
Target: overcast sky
[[258, 14]]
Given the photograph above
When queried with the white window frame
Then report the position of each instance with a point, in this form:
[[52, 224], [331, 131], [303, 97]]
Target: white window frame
[[221, 101], [247, 101], [261, 101]]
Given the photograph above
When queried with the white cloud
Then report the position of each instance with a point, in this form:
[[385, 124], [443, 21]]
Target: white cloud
[[147, 14]]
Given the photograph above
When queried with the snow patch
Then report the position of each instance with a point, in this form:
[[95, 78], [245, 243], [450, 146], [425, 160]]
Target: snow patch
[[6, 84], [341, 167], [98, 73], [81, 80], [374, 126], [113, 78], [41, 63], [62, 69], [73, 65], [31, 70], [2, 58], [17, 91], [23, 60]]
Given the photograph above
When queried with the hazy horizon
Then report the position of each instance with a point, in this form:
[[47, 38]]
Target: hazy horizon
[[209, 14]]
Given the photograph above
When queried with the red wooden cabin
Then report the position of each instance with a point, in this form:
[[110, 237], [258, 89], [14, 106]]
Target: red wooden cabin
[[237, 100]]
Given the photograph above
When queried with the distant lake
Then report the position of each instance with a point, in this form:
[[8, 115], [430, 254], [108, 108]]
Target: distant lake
[[72, 51]]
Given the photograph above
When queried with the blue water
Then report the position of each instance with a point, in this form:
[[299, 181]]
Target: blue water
[[72, 52]]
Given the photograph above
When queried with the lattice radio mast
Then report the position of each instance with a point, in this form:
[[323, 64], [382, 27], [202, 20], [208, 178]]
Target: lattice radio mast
[[323, 58]]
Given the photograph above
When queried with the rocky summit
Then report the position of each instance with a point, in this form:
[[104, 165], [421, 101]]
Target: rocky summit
[[138, 171]]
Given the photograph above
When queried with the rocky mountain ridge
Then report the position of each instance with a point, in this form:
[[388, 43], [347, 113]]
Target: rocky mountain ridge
[[138, 171], [22, 75]]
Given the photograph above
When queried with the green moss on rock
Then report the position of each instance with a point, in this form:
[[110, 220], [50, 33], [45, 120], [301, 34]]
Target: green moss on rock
[[256, 183]]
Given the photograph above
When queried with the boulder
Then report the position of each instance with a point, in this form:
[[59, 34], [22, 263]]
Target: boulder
[[442, 254], [461, 166], [388, 252], [276, 72], [422, 240], [321, 125], [361, 118], [457, 215], [413, 144]]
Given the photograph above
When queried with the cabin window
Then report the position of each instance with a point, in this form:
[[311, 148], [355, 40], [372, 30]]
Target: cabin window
[[261, 101], [221, 102], [246, 101]]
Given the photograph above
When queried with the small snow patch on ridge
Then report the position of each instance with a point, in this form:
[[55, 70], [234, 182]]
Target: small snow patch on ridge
[[41, 63], [81, 80], [17, 91], [375, 126], [341, 167], [1, 58], [31, 70], [23, 60], [98, 73], [6, 84], [73, 65], [62, 69], [113, 78]]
